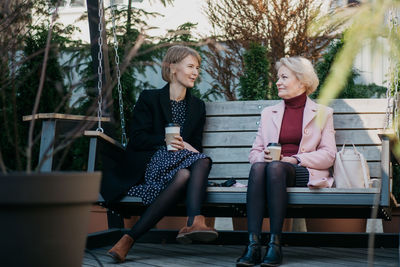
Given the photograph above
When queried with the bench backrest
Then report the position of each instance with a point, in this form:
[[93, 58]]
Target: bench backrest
[[231, 129]]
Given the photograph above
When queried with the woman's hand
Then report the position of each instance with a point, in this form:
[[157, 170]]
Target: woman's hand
[[289, 159], [267, 157], [190, 147], [178, 143]]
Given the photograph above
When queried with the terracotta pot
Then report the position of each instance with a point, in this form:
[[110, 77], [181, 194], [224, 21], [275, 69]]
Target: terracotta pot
[[241, 224], [130, 222], [336, 225], [392, 226], [176, 223], [98, 219]]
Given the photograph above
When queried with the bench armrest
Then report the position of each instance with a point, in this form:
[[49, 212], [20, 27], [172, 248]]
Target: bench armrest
[[94, 136], [105, 137]]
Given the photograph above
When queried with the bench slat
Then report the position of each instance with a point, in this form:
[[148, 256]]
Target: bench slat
[[250, 123], [240, 139], [241, 170], [255, 107], [240, 154]]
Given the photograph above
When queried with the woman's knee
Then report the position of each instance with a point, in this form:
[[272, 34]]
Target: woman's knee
[[276, 171], [182, 176], [257, 170], [203, 163]]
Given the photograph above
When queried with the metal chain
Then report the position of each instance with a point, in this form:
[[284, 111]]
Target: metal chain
[[119, 86], [100, 69]]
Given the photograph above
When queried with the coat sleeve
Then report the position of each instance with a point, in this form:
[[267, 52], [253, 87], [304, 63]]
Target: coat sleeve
[[197, 139], [324, 156], [257, 150], [142, 135]]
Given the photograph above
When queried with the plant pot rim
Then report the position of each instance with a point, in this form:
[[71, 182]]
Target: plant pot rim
[[21, 188]]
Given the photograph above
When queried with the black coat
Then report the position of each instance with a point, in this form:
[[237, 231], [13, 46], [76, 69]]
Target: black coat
[[146, 135]]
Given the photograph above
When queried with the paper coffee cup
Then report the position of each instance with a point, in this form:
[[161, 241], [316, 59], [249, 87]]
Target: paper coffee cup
[[171, 130], [275, 150]]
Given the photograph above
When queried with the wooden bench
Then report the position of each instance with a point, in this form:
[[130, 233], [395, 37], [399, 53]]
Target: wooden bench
[[229, 133]]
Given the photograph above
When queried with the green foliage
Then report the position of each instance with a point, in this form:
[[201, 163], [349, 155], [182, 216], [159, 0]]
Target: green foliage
[[350, 90], [254, 84], [19, 98]]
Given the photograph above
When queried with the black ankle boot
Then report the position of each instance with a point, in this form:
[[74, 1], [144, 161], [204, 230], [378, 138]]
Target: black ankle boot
[[252, 254], [273, 255]]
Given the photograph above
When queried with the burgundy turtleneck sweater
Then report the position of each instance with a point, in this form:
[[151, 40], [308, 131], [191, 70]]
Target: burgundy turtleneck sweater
[[291, 129]]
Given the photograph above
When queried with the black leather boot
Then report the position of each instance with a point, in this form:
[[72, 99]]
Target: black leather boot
[[273, 255], [252, 254]]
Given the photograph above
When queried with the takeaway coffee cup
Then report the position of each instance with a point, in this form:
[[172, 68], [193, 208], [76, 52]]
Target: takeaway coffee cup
[[171, 130], [275, 150]]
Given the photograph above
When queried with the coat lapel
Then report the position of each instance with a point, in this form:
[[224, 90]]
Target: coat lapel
[[190, 115], [310, 111], [277, 116], [165, 104]]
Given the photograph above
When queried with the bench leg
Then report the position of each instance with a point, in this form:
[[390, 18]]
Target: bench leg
[[47, 146], [92, 154]]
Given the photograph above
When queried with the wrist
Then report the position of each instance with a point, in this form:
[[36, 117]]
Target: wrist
[[298, 161]]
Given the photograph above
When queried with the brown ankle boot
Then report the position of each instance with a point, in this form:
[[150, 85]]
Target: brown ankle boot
[[119, 251], [198, 231]]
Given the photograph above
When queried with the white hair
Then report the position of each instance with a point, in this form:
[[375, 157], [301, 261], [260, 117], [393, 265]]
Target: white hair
[[303, 70]]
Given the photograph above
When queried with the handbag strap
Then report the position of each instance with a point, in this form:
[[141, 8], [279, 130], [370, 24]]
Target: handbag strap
[[340, 163], [363, 167]]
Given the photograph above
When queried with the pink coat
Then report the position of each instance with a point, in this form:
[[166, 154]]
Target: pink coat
[[317, 148]]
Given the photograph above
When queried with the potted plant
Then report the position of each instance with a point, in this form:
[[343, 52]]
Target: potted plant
[[43, 216]]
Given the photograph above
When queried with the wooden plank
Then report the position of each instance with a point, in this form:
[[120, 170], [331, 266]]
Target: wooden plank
[[250, 123], [302, 190], [255, 107], [240, 154], [60, 116], [240, 139], [241, 170]]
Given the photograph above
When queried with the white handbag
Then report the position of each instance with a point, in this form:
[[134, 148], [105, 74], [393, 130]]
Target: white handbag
[[351, 169]]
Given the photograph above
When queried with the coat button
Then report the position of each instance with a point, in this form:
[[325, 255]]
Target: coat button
[[303, 149], [306, 131]]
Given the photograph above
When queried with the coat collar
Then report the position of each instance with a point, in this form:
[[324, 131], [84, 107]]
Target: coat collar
[[310, 111]]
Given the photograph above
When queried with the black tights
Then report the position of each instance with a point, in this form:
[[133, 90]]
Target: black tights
[[267, 183], [194, 180]]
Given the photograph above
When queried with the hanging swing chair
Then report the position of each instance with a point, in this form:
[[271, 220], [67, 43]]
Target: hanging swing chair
[[110, 151]]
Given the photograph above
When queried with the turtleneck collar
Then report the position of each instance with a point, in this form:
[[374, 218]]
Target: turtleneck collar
[[297, 101]]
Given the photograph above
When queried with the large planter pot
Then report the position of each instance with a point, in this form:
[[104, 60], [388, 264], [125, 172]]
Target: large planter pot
[[337, 225], [241, 224], [98, 219], [44, 217]]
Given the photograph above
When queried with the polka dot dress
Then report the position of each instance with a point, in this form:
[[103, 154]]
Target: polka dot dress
[[165, 164]]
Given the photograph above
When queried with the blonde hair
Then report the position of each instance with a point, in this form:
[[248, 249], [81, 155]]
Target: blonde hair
[[303, 70], [176, 54]]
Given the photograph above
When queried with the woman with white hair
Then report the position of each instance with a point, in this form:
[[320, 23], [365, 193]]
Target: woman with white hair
[[307, 152]]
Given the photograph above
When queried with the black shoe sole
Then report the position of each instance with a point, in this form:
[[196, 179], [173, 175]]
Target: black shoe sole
[[243, 264], [270, 264], [115, 257]]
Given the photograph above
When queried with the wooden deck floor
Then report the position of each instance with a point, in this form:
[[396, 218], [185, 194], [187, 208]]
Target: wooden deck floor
[[146, 254]]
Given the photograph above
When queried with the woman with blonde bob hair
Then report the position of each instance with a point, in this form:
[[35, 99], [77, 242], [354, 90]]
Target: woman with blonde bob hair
[[308, 150], [159, 173]]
